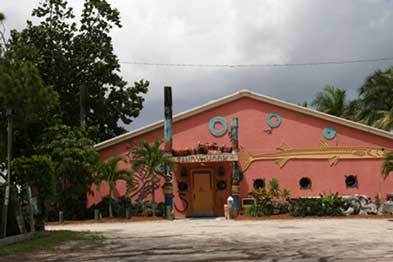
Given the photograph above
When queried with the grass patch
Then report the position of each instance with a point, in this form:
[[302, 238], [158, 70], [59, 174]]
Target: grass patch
[[54, 239]]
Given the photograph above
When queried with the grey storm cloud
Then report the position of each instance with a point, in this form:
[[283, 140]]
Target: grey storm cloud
[[242, 32]]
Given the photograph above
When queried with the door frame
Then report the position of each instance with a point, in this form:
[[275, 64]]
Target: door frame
[[211, 174]]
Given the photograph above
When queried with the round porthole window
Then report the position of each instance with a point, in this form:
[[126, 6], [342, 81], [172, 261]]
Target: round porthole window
[[305, 183], [259, 183], [351, 181]]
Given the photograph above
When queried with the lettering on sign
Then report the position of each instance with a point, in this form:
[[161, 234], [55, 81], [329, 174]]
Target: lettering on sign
[[206, 158]]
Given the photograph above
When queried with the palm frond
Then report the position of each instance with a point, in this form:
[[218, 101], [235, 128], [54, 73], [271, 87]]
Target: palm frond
[[387, 166]]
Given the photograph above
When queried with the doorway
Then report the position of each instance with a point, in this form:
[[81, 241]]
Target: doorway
[[202, 193]]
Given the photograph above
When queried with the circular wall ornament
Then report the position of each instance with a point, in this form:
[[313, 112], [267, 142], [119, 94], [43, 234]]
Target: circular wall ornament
[[182, 186], [273, 120], [329, 133], [218, 120], [221, 185]]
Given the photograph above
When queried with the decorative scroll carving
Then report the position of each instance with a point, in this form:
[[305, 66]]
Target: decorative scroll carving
[[332, 154]]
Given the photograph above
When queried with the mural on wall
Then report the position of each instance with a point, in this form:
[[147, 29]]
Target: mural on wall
[[182, 187], [273, 120], [144, 184], [333, 154]]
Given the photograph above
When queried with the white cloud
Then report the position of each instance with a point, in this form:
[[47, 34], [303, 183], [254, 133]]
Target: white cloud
[[243, 32]]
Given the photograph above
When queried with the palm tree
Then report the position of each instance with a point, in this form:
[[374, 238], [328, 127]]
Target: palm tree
[[148, 156], [376, 96], [387, 165], [107, 171], [330, 100]]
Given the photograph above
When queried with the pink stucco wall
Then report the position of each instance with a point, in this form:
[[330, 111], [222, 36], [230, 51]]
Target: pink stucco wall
[[297, 130]]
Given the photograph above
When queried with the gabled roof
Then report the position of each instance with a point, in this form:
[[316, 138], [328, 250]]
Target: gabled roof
[[240, 94]]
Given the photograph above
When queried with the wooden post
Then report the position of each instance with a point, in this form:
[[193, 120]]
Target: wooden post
[[168, 187], [235, 165], [31, 209], [7, 189]]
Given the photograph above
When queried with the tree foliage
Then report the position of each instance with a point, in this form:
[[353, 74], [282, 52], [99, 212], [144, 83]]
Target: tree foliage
[[35, 171], [74, 159], [387, 166], [23, 92], [147, 157], [376, 96], [373, 107], [330, 100], [72, 59]]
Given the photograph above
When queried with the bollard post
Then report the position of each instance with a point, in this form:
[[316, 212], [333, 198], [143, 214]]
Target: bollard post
[[61, 217]]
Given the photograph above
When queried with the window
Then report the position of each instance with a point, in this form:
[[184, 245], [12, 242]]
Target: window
[[259, 183], [351, 181], [305, 183]]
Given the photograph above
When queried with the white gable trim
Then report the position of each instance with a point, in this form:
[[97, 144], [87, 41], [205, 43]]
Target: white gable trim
[[244, 93]]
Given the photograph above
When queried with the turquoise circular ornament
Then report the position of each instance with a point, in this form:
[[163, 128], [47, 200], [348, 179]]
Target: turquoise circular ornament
[[221, 121], [277, 120], [329, 133]]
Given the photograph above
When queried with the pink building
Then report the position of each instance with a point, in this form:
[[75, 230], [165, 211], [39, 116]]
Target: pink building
[[309, 152]]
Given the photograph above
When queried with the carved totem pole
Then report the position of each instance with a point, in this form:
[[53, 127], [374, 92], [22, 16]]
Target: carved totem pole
[[235, 164], [168, 186]]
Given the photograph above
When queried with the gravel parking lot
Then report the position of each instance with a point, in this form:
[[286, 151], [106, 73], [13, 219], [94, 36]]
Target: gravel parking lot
[[220, 240]]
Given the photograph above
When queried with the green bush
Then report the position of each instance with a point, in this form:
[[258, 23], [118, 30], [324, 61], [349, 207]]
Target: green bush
[[325, 205], [268, 202]]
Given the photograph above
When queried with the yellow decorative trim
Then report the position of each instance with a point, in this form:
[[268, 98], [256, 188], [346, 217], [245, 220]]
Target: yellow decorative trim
[[331, 153]]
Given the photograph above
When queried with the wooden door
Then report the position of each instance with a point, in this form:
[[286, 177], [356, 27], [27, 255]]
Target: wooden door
[[202, 194]]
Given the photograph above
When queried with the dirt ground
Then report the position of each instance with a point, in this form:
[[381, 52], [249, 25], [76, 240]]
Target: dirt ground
[[221, 240]]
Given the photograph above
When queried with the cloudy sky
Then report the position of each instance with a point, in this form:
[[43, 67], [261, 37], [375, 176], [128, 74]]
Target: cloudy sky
[[242, 32]]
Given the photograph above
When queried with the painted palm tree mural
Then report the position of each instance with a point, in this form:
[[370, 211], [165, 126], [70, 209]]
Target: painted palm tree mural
[[108, 172], [146, 160]]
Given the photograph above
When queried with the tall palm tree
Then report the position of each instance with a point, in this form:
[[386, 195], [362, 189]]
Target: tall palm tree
[[107, 171], [376, 96], [387, 165], [148, 156], [330, 100]]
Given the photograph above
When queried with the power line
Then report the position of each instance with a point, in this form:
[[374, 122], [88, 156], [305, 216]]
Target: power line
[[332, 62]]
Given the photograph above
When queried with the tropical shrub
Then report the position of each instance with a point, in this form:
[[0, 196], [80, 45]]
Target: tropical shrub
[[324, 205], [108, 172], [270, 201]]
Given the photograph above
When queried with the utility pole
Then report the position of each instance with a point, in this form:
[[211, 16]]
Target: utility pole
[[8, 187]]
